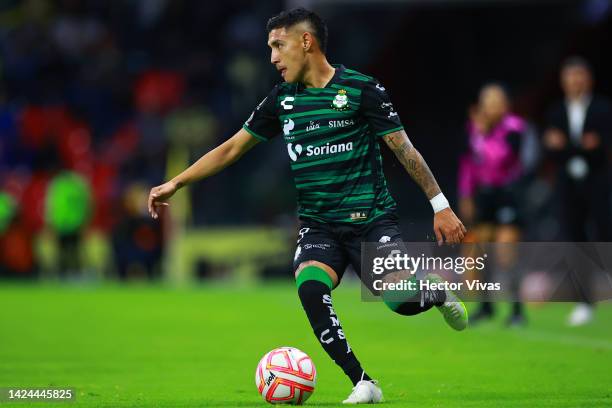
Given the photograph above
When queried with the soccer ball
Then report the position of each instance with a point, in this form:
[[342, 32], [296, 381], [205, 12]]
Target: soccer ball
[[285, 375]]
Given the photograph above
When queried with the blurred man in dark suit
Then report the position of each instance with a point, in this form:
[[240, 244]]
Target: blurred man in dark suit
[[577, 138]]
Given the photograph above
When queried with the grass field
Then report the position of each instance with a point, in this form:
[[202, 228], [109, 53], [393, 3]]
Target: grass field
[[139, 346]]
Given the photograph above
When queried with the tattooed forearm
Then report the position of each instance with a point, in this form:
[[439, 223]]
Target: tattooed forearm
[[413, 162]]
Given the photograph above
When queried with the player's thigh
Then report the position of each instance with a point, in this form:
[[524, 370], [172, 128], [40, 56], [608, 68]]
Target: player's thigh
[[317, 246], [384, 239]]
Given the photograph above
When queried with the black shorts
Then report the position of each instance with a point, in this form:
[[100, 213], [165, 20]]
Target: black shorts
[[339, 245], [498, 205]]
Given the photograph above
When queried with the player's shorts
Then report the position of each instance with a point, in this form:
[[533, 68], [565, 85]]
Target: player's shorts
[[498, 205], [339, 245]]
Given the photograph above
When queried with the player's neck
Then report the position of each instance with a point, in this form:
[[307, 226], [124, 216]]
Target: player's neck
[[318, 73]]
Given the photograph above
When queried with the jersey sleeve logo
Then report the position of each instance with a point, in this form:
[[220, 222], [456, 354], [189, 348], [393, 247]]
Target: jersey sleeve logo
[[388, 107], [340, 101]]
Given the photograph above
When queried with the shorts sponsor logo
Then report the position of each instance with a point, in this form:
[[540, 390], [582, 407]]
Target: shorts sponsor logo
[[302, 232], [316, 246], [384, 238], [387, 245], [380, 87]]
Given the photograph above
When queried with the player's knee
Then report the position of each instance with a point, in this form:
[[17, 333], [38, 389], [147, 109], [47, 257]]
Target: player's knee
[[314, 270]]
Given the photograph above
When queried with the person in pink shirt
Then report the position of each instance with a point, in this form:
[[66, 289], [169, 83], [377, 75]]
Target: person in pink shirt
[[488, 175]]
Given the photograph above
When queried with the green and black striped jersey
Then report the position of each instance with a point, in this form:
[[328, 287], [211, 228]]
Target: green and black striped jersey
[[332, 136]]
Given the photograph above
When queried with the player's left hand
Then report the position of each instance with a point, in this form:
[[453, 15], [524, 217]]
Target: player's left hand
[[448, 227]]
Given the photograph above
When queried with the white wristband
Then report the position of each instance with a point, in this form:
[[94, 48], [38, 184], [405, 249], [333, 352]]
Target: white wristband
[[439, 202]]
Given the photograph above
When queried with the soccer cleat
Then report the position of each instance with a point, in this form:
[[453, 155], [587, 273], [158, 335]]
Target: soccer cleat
[[454, 311], [581, 315], [365, 392]]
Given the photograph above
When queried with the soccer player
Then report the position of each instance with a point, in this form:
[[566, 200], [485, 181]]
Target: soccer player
[[332, 119]]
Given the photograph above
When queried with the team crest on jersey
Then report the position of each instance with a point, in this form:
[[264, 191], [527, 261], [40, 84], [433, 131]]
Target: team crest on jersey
[[340, 101]]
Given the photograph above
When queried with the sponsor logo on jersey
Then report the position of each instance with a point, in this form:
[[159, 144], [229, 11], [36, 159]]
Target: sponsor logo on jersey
[[313, 125], [296, 150], [341, 123], [286, 103], [388, 107], [358, 216], [288, 126], [340, 101]]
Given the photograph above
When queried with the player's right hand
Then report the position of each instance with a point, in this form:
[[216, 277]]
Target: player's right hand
[[159, 195]]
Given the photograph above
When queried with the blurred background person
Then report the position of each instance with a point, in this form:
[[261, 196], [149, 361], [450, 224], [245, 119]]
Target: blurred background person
[[68, 208], [137, 241], [489, 185], [577, 140]]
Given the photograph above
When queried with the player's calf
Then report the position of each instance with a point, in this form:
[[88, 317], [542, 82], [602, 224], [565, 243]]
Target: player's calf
[[314, 290]]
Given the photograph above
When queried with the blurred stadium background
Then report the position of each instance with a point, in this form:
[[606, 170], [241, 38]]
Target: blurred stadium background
[[101, 100]]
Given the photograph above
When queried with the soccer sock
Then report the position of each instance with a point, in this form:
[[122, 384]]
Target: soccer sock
[[412, 302], [314, 290]]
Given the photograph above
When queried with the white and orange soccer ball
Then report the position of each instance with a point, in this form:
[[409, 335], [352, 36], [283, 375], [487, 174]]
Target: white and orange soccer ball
[[285, 375]]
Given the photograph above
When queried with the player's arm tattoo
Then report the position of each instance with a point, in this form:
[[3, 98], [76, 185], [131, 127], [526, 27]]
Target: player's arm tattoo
[[413, 162]]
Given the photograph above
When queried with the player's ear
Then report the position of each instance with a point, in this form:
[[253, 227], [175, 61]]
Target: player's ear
[[307, 41]]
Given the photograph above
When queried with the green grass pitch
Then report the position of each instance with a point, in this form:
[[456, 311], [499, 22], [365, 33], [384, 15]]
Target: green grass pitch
[[139, 346]]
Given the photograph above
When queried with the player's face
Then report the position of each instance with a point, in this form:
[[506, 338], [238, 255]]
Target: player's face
[[493, 103], [288, 55], [575, 81]]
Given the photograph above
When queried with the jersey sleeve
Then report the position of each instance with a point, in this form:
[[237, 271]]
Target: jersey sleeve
[[378, 110], [263, 123]]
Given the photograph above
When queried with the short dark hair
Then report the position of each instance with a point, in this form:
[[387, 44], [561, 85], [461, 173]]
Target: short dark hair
[[576, 61], [292, 17]]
